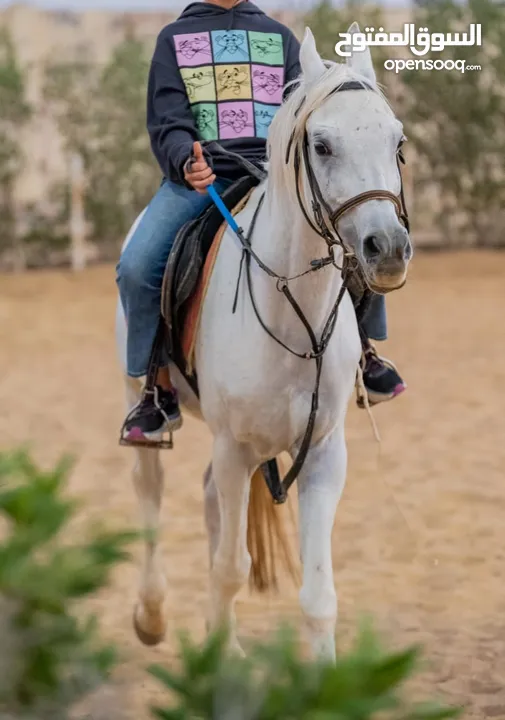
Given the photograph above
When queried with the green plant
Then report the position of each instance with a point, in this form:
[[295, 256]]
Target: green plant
[[275, 683], [50, 657]]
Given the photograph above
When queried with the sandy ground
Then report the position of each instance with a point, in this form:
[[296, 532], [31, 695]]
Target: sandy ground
[[419, 537]]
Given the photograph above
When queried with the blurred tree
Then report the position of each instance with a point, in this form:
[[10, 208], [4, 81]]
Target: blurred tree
[[455, 122], [14, 114], [123, 175], [102, 116], [69, 91]]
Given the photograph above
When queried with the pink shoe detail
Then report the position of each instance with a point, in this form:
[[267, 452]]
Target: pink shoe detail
[[135, 435], [399, 389]]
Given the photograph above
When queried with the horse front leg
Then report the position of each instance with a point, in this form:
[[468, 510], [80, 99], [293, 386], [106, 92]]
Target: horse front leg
[[211, 511], [149, 617], [320, 487], [232, 468]]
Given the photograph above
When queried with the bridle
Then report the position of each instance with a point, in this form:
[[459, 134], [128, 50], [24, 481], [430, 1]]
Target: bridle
[[319, 224], [333, 239]]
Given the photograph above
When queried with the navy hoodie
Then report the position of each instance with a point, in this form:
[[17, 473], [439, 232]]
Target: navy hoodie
[[217, 75]]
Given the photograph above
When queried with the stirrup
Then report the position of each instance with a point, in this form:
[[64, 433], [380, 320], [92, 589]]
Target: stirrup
[[360, 400], [385, 361], [153, 444]]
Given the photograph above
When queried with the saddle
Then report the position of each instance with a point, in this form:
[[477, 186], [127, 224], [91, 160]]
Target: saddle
[[188, 271]]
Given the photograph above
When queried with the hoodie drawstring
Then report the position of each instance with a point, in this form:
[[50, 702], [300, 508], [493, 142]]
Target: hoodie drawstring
[[231, 24], [232, 20]]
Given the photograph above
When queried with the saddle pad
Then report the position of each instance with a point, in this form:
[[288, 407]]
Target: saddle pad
[[195, 302]]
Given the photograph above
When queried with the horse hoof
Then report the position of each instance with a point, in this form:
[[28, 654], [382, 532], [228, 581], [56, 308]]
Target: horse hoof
[[144, 637]]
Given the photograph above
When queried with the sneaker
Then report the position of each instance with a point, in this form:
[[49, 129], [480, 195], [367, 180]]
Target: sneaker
[[157, 413], [381, 379]]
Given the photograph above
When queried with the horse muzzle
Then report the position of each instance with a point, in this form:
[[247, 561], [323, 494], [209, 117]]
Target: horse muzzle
[[385, 260]]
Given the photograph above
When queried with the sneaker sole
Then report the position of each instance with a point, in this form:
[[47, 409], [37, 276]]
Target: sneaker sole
[[136, 435], [377, 398]]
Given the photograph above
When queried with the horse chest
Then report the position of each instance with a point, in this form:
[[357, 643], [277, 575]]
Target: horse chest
[[259, 390], [273, 412], [266, 393]]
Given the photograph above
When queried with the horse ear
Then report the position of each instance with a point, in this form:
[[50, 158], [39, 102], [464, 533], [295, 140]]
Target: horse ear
[[361, 62], [310, 60]]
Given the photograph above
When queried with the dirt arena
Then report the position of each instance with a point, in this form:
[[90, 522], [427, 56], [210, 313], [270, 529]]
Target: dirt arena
[[419, 540]]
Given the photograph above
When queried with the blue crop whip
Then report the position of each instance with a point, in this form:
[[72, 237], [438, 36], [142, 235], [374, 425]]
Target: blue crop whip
[[216, 198]]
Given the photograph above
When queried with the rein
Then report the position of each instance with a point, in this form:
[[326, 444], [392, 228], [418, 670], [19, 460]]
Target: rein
[[349, 266]]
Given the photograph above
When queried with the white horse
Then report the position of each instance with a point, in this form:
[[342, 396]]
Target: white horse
[[255, 396]]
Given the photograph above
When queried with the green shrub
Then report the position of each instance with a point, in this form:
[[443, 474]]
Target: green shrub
[[275, 683], [50, 657]]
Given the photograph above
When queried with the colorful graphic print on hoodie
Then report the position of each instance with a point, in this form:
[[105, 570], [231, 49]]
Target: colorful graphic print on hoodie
[[234, 80]]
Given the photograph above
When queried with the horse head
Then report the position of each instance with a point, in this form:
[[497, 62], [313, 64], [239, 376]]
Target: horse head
[[344, 153]]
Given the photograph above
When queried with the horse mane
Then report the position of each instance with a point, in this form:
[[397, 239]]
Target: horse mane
[[289, 124]]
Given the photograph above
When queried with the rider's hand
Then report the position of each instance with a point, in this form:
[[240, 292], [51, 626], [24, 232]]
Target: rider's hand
[[197, 172]]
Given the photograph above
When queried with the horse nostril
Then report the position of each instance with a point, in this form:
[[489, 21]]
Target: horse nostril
[[404, 250], [372, 247]]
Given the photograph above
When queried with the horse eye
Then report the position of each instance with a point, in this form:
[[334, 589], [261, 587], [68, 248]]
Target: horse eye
[[322, 149], [399, 150]]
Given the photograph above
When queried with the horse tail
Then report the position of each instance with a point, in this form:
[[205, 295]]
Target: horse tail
[[267, 539]]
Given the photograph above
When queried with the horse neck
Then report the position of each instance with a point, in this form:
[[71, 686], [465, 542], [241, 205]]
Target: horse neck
[[287, 244]]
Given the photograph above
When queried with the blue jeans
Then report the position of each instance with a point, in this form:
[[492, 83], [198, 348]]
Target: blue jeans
[[142, 265], [375, 320]]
